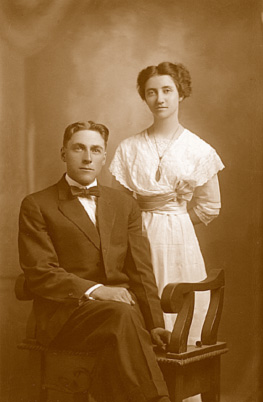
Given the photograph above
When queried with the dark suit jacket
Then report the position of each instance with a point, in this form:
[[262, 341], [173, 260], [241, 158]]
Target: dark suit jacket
[[63, 255]]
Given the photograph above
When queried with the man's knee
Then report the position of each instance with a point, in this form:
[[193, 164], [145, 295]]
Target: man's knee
[[125, 316], [120, 311]]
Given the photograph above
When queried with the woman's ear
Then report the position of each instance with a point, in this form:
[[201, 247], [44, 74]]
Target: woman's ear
[[181, 98]]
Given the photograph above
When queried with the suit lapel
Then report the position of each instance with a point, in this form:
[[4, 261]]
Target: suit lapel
[[106, 216], [72, 209]]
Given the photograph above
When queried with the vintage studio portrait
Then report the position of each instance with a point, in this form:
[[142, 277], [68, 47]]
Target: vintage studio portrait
[[131, 203]]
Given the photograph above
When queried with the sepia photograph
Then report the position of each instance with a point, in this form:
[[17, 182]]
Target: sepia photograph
[[132, 198]]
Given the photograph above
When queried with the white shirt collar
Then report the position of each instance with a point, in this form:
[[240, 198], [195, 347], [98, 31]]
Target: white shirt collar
[[72, 182]]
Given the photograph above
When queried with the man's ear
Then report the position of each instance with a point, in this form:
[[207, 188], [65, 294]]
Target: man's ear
[[104, 159], [62, 154]]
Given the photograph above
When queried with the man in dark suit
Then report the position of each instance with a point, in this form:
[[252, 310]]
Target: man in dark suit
[[87, 264]]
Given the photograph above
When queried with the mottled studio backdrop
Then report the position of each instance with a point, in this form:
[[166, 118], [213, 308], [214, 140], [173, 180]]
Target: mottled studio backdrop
[[62, 61]]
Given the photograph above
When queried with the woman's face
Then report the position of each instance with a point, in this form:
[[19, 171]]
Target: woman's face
[[161, 96]]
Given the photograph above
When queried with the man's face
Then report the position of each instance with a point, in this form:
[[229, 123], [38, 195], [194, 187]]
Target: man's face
[[84, 154]]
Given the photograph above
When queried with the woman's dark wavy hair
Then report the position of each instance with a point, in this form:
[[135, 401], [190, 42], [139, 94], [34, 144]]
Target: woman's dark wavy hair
[[85, 125], [177, 71]]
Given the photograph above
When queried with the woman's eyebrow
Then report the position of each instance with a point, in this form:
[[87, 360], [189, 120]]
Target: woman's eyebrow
[[164, 87]]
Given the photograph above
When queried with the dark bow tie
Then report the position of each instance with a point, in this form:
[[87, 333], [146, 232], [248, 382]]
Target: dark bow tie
[[85, 192]]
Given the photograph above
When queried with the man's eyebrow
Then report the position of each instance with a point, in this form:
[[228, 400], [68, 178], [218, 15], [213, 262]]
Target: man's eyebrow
[[79, 144], [96, 146]]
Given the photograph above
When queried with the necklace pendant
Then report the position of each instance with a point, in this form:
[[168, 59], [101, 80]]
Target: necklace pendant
[[158, 173]]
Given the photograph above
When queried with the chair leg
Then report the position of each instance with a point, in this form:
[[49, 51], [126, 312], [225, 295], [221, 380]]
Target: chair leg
[[43, 395], [178, 390], [34, 378], [210, 397], [213, 395], [175, 382], [43, 390]]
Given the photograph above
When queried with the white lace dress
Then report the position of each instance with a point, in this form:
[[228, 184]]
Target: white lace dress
[[189, 169]]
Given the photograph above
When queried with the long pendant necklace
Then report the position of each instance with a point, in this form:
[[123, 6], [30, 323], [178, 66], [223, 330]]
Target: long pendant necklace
[[159, 168]]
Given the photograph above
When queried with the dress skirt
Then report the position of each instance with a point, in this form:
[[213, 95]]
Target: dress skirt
[[176, 257]]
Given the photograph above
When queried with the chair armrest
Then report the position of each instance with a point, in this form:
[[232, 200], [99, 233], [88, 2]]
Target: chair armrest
[[172, 296], [21, 290], [179, 298]]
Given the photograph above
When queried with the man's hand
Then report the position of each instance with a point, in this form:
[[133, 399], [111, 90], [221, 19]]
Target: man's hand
[[161, 337], [113, 294]]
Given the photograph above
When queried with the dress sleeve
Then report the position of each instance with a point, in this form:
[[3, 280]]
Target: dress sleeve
[[206, 166], [119, 169], [207, 200]]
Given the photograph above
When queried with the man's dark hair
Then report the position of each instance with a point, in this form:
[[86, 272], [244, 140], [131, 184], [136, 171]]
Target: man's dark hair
[[85, 125]]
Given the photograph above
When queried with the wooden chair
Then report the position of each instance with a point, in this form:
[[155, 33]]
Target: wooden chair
[[188, 370], [191, 370]]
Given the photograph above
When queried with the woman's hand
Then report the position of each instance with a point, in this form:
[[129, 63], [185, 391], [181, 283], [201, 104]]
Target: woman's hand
[[161, 337]]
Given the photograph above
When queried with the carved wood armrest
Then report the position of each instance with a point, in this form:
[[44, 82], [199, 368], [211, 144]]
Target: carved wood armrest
[[179, 298]]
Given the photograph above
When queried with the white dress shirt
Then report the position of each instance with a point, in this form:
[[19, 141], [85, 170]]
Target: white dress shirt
[[89, 204]]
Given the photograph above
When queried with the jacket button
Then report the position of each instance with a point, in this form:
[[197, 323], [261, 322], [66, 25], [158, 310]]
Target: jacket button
[[70, 294]]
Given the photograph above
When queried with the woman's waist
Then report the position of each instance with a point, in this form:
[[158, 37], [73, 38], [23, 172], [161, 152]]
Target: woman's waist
[[162, 203]]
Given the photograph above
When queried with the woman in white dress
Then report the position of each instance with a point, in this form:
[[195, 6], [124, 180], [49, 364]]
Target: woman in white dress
[[165, 167]]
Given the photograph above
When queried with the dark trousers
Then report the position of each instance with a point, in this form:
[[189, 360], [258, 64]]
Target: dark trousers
[[126, 368]]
